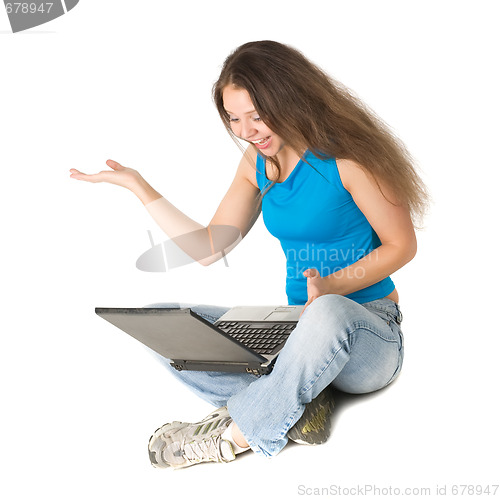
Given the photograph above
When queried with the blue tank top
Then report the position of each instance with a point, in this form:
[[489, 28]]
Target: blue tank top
[[318, 225]]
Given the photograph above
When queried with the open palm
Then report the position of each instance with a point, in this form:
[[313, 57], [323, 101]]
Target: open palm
[[118, 175]]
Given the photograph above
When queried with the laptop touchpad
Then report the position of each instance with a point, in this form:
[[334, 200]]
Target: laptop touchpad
[[277, 315]]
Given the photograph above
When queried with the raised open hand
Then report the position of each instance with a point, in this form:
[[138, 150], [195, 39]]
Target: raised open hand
[[118, 175]]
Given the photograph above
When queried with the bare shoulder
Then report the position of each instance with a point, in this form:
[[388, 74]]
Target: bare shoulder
[[240, 206], [358, 181], [350, 173], [247, 166]]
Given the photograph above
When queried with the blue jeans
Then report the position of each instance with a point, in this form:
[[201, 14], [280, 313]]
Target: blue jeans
[[355, 348]]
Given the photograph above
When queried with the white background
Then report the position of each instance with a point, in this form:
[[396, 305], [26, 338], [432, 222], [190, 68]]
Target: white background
[[131, 81]]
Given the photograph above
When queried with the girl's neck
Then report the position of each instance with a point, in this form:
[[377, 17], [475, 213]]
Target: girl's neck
[[288, 158]]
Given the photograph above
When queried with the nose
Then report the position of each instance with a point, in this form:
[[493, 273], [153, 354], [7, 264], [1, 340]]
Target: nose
[[247, 130]]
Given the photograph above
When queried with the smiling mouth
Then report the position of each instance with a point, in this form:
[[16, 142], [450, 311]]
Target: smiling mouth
[[261, 143]]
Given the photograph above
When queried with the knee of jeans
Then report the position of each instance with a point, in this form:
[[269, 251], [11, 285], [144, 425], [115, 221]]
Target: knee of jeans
[[326, 322], [360, 387]]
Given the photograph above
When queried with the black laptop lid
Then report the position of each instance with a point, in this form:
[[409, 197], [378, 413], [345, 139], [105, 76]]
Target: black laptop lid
[[178, 333]]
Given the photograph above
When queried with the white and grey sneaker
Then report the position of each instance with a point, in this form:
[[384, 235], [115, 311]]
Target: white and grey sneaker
[[313, 427], [179, 445]]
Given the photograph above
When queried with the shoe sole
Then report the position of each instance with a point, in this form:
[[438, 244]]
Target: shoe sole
[[313, 428]]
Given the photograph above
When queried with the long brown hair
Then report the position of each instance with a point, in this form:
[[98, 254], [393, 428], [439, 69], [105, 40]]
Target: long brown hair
[[308, 109]]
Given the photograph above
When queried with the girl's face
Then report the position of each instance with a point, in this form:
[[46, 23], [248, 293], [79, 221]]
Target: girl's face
[[246, 123]]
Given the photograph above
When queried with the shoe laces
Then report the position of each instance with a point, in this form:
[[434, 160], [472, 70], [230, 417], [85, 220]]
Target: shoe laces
[[204, 449]]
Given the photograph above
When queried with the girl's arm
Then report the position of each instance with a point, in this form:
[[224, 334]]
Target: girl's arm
[[237, 212], [391, 222]]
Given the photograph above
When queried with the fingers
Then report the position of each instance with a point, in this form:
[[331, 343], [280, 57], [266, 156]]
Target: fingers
[[97, 177], [94, 178], [311, 273], [83, 176], [113, 164], [76, 173]]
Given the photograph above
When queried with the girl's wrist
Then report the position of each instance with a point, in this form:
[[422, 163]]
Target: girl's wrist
[[144, 191]]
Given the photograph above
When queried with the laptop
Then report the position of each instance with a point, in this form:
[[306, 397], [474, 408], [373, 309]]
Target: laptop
[[244, 339]]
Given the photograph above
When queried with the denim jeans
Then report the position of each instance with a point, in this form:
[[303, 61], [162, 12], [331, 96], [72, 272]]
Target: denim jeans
[[355, 348]]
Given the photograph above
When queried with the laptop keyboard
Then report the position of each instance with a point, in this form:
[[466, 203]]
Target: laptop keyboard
[[261, 337]]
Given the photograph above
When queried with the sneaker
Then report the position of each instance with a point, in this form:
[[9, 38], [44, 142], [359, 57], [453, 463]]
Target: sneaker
[[313, 427], [179, 445]]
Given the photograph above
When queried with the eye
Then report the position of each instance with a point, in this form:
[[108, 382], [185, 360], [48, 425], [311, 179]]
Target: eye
[[234, 120], [257, 118]]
